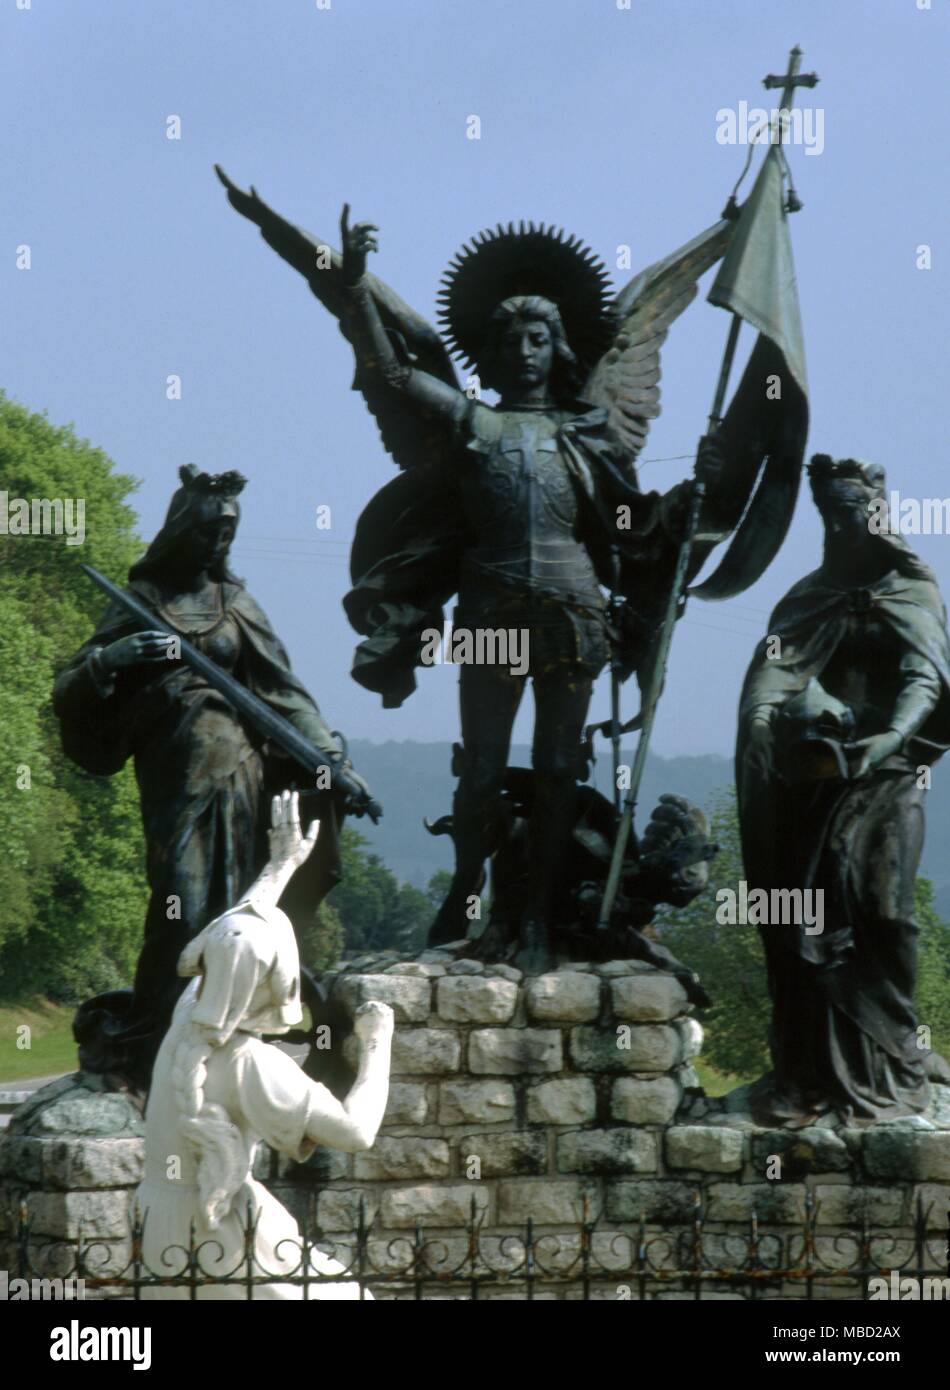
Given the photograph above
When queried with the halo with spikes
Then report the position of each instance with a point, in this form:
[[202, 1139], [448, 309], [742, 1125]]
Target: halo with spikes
[[526, 260]]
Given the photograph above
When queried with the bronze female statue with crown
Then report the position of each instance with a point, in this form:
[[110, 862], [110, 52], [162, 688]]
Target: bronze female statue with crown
[[205, 774]]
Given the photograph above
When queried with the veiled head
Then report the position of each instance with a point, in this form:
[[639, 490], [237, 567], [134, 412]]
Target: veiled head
[[843, 490], [840, 482], [851, 497]]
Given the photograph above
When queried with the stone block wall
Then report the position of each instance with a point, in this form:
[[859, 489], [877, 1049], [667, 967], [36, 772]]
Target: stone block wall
[[559, 1100], [571, 1097], [74, 1152]]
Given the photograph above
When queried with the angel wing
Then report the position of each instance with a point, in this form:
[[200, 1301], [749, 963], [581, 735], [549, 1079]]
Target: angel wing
[[626, 379], [410, 437]]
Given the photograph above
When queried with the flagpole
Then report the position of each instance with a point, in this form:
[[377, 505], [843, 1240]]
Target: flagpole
[[791, 79], [614, 608], [651, 692], [715, 415]]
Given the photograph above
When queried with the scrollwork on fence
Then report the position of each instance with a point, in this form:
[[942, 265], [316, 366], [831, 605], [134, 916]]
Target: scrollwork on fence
[[638, 1261]]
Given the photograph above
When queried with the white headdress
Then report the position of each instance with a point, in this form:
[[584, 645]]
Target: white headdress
[[251, 974], [250, 971]]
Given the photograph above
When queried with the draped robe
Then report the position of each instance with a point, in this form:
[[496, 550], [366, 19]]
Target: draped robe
[[843, 1026], [204, 779]]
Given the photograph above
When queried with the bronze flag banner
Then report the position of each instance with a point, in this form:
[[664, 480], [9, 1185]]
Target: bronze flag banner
[[765, 428]]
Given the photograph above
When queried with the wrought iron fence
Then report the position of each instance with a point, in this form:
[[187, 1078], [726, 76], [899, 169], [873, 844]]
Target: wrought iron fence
[[636, 1261]]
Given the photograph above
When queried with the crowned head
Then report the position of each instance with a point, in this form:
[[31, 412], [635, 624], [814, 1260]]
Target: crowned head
[[199, 527]]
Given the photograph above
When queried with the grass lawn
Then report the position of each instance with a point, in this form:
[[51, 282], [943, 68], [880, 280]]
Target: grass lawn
[[51, 1047], [717, 1083]]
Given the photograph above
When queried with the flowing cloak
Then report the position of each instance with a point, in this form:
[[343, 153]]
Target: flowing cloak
[[204, 780], [410, 539], [843, 1018]]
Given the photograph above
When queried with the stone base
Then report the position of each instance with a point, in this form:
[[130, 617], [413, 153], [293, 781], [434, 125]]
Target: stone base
[[571, 1097], [563, 1099], [74, 1153]]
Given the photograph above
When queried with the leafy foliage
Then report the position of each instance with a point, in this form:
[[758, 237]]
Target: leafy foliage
[[376, 910], [933, 968], [438, 887], [72, 873], [322, 942], [730, 959]]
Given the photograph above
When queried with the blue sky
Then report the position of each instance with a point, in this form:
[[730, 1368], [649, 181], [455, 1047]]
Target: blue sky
[[600, 119]]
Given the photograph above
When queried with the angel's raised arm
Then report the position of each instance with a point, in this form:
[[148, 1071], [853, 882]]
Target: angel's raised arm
[[321, 265], [380, 326], [376, 349]]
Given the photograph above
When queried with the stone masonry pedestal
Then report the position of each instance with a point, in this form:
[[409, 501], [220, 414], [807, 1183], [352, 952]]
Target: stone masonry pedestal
[[571, 1097], [568, 1100]]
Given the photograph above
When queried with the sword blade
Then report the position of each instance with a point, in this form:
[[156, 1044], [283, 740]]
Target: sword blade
[[257, 713]]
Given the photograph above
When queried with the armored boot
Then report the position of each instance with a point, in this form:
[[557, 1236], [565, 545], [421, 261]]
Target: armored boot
[[549, 846]]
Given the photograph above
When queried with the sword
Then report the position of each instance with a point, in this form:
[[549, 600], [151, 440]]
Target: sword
[[257, 713]]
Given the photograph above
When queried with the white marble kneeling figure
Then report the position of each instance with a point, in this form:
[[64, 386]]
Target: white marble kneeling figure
[[218, 1089]]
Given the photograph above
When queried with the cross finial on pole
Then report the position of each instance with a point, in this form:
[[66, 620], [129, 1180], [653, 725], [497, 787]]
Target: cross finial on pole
[[788, 82]]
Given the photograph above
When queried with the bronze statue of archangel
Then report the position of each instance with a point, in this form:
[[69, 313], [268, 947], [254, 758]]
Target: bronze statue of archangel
[[845, 707], [526, 509]]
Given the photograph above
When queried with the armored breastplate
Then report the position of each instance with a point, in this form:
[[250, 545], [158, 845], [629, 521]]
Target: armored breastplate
[[519, 498]]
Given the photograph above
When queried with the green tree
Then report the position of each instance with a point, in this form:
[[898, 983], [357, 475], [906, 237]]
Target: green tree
[[730, 959], [72, 889], [437, 888], [378, 912], [411, 915], [932, 997], [322, 942], [34, 813]]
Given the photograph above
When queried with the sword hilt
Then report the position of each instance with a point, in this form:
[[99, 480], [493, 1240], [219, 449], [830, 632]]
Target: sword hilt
[[359, 800]]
